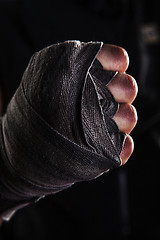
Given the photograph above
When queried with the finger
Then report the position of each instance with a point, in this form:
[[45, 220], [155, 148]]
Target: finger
[[113, 58], [127, 149], [123, 87], [126, 117]]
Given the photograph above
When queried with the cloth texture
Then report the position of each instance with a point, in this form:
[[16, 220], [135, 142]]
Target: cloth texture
[[58, 128]]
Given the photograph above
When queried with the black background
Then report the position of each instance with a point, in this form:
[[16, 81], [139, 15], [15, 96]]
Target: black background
[[124, 203]]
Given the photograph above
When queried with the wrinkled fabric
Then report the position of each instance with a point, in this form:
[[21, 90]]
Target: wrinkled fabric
[[58, 128]]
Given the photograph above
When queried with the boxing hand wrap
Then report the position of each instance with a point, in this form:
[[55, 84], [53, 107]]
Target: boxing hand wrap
[[58, 128]]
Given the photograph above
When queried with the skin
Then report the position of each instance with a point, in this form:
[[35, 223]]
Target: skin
[[124, 89]]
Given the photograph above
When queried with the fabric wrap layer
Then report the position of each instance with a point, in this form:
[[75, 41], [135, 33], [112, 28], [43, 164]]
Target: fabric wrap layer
[[58, 128]]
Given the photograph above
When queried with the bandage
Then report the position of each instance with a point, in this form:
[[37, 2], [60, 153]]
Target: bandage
[[58, 128]]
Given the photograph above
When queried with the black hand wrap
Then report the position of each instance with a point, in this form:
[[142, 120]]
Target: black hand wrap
[[58, 128]]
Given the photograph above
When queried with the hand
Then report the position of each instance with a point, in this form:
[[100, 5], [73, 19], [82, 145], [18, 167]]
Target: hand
[[124, 89]]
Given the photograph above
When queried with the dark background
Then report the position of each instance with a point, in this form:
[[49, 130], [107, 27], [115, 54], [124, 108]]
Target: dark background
[[124, 203]]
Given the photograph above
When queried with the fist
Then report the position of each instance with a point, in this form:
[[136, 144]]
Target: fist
[[124, 89]]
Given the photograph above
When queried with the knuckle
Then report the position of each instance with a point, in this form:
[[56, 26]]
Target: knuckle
[[130, 113], [129, 86], [127, 149], [133, 114], [126, 117], [124, 88], [123, 57], [113, 58]]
